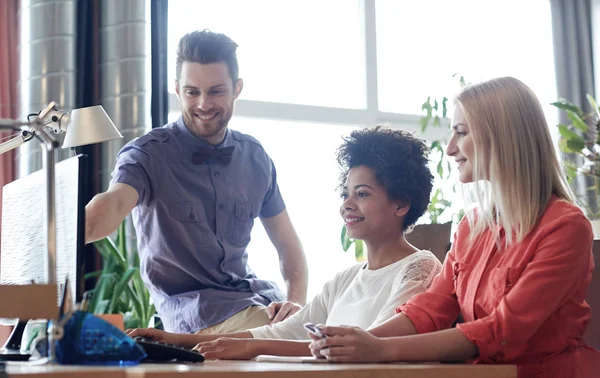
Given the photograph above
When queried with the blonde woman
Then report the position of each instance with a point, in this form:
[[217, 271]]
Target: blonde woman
[[520, 264]]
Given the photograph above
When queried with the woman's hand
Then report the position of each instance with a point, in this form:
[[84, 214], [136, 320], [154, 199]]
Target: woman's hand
[[348, 344], [155, 334], [225, 348]]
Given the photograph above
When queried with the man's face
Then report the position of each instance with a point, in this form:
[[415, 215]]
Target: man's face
[[207, 94]]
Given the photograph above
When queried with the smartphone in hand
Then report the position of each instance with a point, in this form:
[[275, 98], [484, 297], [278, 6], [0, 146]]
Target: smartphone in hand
[[315, 330]]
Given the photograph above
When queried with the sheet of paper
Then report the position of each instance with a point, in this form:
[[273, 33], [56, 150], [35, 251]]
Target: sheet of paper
[[294, 359]]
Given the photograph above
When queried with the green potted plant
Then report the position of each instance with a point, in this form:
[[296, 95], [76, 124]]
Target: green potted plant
[[581, 140], [119, 287]]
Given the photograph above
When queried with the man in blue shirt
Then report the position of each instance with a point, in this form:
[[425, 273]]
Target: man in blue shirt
[[194, 188]]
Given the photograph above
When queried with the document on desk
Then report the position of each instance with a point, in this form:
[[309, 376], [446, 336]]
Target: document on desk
[[293, 359]]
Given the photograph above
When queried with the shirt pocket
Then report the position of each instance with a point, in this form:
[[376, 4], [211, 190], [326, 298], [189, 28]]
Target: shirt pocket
[[502, 280], [460, 278], [243, 220]]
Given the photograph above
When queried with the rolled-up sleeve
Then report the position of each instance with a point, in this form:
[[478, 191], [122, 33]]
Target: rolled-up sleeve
[[135, 169], [438, 307], [560, 268]]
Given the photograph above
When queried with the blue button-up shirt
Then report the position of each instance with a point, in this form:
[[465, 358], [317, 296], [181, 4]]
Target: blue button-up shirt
[[193, 223]]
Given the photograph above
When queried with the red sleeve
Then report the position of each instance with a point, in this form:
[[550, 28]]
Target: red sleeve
[[436, 308], [560, 267]]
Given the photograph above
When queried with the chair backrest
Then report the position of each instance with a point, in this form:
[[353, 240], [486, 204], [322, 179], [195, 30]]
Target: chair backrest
[[433, 237], [592, 334]]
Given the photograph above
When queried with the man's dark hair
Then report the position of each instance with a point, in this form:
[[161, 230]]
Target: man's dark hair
[[205, 47], [399, 161]]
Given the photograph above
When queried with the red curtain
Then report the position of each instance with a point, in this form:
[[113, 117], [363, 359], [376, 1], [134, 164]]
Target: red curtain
[[9, 70]]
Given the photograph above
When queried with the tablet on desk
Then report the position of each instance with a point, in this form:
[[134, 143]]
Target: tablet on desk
[[293, 359]]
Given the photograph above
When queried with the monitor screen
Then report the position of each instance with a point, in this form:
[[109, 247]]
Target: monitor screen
[[23, 236]]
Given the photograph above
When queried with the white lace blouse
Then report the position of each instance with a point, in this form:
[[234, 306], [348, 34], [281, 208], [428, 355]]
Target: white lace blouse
[[360, 297]]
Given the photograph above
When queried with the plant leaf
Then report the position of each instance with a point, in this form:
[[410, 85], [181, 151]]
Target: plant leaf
[[137, 305], [444, 107], [122, 238], [423, 121], [569, 134], [102, 306], [358, 250], [593, 104], [120, 287], [103, 286], [577, 121], [346, 242], [110, 252], [566, 105], [575, 145], [90, 275]]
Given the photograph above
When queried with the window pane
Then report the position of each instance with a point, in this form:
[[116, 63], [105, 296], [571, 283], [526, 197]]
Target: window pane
[[307, 52], [421, 44]]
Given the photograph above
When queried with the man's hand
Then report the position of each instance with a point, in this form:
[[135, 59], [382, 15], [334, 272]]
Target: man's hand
[[225, 348], [154, 334], [348, 344], [278, 311]]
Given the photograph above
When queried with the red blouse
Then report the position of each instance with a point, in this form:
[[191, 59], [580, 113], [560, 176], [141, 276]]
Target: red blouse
[[524, 304]]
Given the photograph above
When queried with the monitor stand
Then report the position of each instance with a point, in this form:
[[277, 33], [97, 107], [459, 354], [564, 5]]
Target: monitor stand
[[11, 350]]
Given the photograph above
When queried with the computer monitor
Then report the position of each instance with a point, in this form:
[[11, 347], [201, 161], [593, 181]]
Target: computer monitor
[[23, 235]]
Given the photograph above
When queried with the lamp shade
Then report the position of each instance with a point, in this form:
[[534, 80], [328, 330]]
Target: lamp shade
[[88, 126]]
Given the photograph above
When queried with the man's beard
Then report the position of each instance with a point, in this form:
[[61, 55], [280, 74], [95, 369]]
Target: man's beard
[[194, 125]]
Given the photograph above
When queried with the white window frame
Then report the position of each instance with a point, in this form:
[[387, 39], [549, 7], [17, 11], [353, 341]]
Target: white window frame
[[367, 117]]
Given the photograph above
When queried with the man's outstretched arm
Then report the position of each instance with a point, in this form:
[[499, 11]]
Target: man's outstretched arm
[[105, 212]]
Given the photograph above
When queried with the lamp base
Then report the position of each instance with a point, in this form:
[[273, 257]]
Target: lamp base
[[13, 355], [11, 350]]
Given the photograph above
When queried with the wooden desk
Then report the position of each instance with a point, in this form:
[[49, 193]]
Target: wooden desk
[[250, 369]]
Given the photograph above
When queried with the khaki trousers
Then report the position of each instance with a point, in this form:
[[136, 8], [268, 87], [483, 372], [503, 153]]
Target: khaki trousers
[[251, 317]]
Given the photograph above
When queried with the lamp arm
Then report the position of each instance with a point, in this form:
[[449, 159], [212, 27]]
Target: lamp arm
[[15, 142]]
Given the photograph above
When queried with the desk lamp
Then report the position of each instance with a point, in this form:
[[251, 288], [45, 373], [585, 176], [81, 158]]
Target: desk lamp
[[82, 126]]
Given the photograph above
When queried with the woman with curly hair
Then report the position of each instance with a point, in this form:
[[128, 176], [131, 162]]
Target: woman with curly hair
[[520, 264], [385, 187]]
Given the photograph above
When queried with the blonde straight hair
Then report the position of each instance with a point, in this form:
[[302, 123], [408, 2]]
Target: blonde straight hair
[[516, 170]]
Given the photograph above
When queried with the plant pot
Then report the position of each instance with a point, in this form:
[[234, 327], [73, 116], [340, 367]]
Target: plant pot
[[596, 227], [114, 319]]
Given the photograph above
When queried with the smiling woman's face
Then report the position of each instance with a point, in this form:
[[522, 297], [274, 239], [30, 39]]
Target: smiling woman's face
[[461, 145], [367, 210]]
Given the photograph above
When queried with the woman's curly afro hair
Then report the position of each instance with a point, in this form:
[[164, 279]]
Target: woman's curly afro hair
[[399, 161]]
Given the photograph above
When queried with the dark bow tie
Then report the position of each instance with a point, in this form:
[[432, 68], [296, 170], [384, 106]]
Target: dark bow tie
[[213, 155]]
